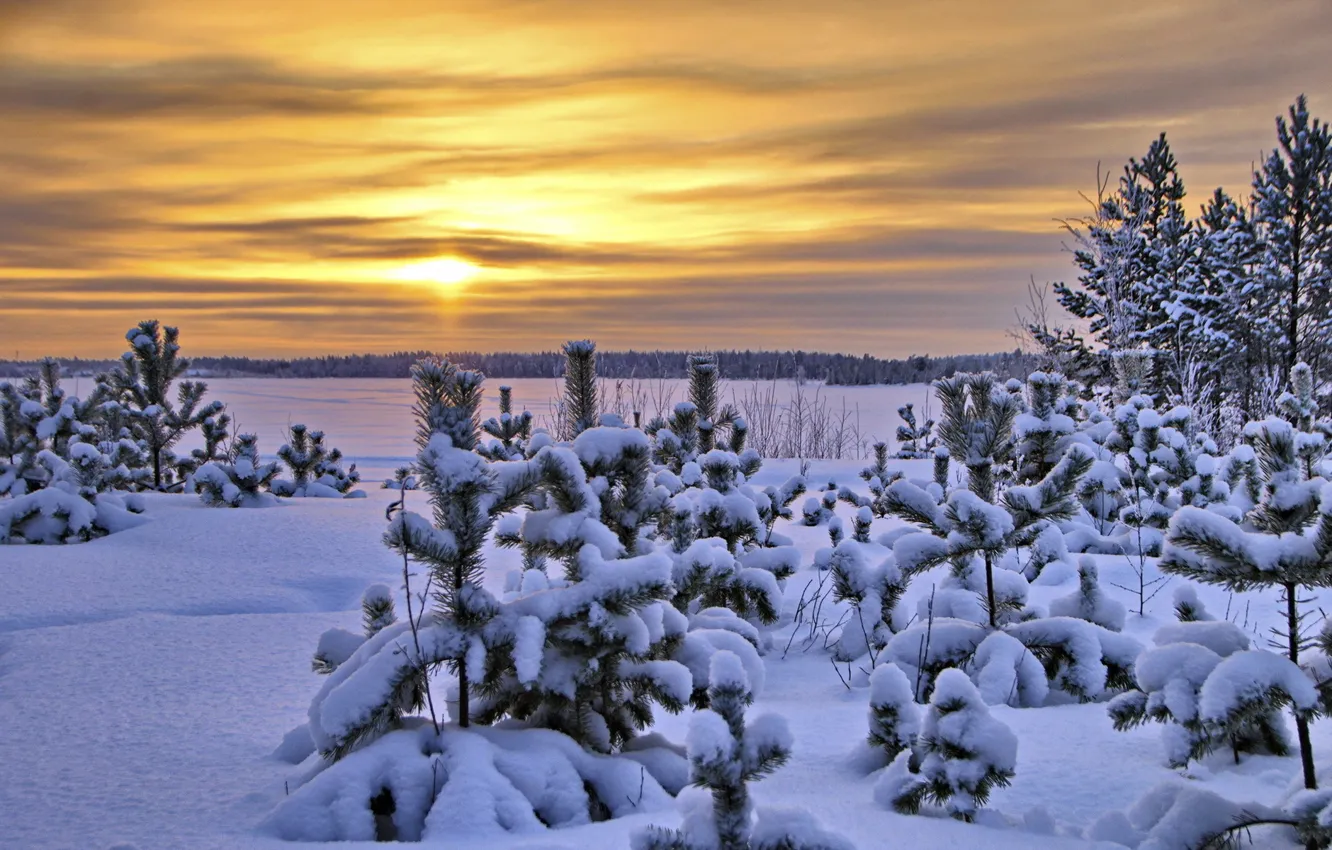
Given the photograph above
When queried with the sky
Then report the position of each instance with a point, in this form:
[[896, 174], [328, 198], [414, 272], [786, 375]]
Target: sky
[[288, 177]]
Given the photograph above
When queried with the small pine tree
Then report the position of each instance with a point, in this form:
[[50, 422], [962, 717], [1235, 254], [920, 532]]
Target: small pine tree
[[302, 453], [1042, 430], [964, 753], [714, 419], [580, 387], [725, 755], [1285, 542], [968, 526], [143, 385], [337, 645], [239, 482], [316, 469], [512, 430], [894, 717], [1089, 602], [914, 440]]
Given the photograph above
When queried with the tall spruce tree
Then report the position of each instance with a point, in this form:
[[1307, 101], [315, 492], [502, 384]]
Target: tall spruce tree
[[1293, 216]]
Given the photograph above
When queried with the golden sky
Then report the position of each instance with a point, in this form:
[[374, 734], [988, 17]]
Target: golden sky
[[285, 177]]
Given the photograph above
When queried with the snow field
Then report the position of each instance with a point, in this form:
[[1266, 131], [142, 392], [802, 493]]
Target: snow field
[[147, 677]]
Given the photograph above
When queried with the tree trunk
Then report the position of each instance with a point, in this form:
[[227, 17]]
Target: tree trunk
[[462, 693], [1301, 721], [989, 590]]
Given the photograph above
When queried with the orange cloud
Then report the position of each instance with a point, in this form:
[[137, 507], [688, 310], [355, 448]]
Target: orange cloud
[[879, 177]]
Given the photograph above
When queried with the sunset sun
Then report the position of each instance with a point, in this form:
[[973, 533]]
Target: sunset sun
[[442, 271]]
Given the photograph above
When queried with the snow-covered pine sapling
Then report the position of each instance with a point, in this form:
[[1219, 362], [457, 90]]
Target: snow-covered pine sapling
[[976, 427], [878, 476], [819, 509], [964, 754], [1284, 542], [836, 533], [873, 592], [330, 474], [18, 440], [1043, 429], [714, 420], [914, 440], [1211, 692], [72, 506], [967, 526], [302, 453], [939, 471], [621, 460], [776, 505], [860, 525], [512, 430], [580, 387], [337, 645], [1188, 609], [725, 755], [879, 468], [316, 469], [894, 717], [583, 658], [1089, 602], [239, 482], [143, 384], [466, 496], [216, 435]]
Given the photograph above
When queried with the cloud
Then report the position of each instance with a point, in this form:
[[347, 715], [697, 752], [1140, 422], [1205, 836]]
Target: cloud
[[877, 177]]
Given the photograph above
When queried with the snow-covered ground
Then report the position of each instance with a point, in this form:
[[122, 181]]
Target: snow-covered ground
[[146, 678]]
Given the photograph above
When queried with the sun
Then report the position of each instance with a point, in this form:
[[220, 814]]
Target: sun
[[444, 271]]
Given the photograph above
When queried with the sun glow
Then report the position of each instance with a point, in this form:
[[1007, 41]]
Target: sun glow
[[443, 271]]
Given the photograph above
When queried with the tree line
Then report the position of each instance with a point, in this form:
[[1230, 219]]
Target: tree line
[[841, 369]]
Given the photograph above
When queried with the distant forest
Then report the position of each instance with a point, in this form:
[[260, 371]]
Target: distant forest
[[840, 369]]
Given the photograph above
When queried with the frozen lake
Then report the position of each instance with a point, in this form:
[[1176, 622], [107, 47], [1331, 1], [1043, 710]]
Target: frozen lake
[[370, 419]]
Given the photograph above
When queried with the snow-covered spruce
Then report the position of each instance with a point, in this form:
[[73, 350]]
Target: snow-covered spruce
[[969, 528], [873, 591], [915, 440], [1089, 602], [337, 645], [60, 513], [1285, 542], [1192, 663], [142, 386], [894, 717], [316, 470], [725, 755], [964, 754], [579, 404], [239, 482], [1043, 430], [510, 431]]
